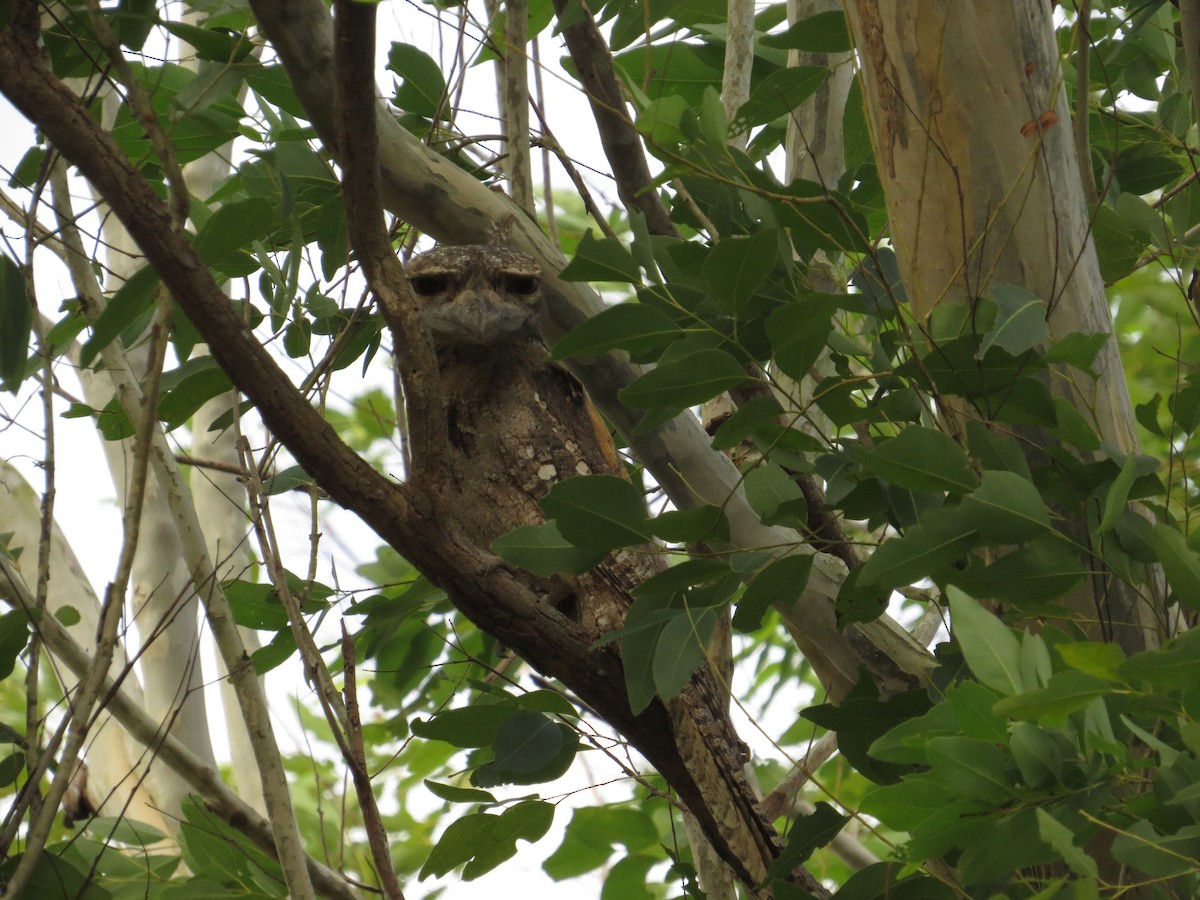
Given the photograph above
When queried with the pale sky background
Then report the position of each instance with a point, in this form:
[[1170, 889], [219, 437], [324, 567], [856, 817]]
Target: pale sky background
[[86, 507]]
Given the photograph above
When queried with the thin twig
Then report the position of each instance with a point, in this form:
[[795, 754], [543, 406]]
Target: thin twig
[[372, 821]]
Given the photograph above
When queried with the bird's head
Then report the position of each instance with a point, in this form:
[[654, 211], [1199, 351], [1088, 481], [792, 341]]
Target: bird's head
[[477, 294]]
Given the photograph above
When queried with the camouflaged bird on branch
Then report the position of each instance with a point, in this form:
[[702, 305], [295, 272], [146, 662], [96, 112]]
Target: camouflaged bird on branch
[[516, 425]]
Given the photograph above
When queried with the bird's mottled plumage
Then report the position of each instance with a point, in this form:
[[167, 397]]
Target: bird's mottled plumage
[[516, 425]]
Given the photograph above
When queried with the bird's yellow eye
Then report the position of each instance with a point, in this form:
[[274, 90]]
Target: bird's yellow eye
[[428, 285], [521, 284]]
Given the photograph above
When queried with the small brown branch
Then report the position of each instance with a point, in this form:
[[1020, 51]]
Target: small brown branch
[[622, 144], [354, 99]]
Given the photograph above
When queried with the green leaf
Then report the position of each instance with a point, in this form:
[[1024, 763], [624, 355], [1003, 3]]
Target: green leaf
[[1038, 753], [529, 748], [1093, 657], [1042, 570], [1144, 167], [973, 769], [1180, 563], [779, 585], [973, 704], [680, 649], [131, 300], [542, 550], [691, 526], [925, 549], [255, 605], [1118, 495], [67, 615], [861, 719], [233, 228], [1141, 846], [468, 726], [746, 420], [454, 794], [1066, 692], [637, 328], [778, 94], [988, 645], [685, 382], [601, 260], [287, 480], [1006, 508], [907, 805], [458, 844], [737, 266], [1117, 247], [920, 459], [808, 834], [823, 33], [422, 88], [775, 496], [799, 332], [125, 831], [211, 44], [11, 767], [1078, 350], [680, 578], [14, 635], [528, 821], [1174, 666], [662, 121], [16, 320], [53, 876], [995, 451], [598, 512], [643, 624], [181, 402], [1020, 321], [628, 879]]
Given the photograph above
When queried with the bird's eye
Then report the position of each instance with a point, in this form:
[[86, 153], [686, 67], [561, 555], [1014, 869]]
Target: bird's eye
[[523, 285], [428, 285]]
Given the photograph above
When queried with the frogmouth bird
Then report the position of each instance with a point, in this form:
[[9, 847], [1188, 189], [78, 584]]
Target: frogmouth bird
[[516, 425]]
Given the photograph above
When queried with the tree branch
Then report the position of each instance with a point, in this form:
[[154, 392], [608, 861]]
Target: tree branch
[[622, 144]]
